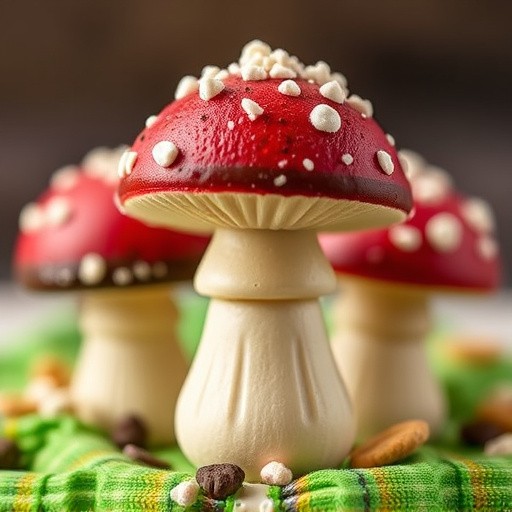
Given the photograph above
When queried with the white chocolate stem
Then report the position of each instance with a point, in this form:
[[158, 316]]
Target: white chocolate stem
[[130, 361], [263, 385], [379, 347]]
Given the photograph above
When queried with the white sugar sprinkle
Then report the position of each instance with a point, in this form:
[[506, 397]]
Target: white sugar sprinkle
[[57, 211], [479, 215], [250, 73], [210, 72], [325, 118], [165, 153], [333, 91], [142, 270], [31, 218], [122, 276], [487, 247], [92, 269], [150, 121], [444, 232], [187, 85], [185, 493], [209, 88], [289, 88], [252, 109], [390, 139], [222, 74], [363, 106], [282, 164], [231, 125], [347, 159], [280, 71], [404, 237], [131, 158], [276, 473], [280, 180], [121, 166], [65, 178], [308, 164], [385, 162]]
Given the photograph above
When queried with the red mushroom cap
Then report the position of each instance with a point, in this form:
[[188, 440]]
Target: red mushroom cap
[[75, 237], [249, 134], [447, 242]]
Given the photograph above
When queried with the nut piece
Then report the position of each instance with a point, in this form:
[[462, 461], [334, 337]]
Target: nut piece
[[390, 445], [276, 473], [185, 493], [9, 454], [219, 481], [141, 455], [130, 430]]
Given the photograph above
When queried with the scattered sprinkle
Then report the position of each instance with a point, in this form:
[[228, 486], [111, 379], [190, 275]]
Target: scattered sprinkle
[[92, 269], [187, 85], [444, 232], [276, 473], [31, 218], [390, 139], [325, 118], [209, 72], [142, 270], [282, 164], [209, 88], [479, 215], [57, 211], [130, 159], [231, 125], [222, 74], [430, 187], [308, 164], [185, 493], [332, 91], [165, 153], [65, 178], [487, 248], [404, 237], [252, 109], [280, 71], [150, 121], [280, 180], [122, 276], [347, 159], [234, 68], [320, 73], [363, 106], [385, 162], [289, 88], [250, 73]]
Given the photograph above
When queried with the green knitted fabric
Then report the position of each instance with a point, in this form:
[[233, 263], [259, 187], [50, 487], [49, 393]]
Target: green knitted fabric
[[69, 467]]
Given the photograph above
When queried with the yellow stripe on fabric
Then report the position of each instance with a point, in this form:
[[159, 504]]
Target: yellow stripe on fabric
[[10, 428], [477, 475], [379, 475], [24, 500], [303, 502]]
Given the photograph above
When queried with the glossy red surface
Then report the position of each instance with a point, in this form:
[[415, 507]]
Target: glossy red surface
[[248, 157], [372, 254]]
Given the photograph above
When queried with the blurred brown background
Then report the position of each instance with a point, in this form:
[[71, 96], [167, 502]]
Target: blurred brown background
[[75, 75]]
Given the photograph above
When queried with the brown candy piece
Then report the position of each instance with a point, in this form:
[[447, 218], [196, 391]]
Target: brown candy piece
[[477, 433], [9, 454], [130, 430], [219, 481], [391, 445], [141, 455], [497, 412]]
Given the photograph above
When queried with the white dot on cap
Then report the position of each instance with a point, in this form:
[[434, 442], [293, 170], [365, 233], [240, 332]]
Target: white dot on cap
[[332, 91], [65, 178], [92, 269], [363, 106], [130, 157], [487, 248], [308, 164], [251, 108], [187, 85], [280, 180], [325, 118], [444, 232], [185, 493], [289, 88], [405, 238], [64, 277], [282, 164], [280, 71], [165, 153], [231, 125], [252, 73], [122, 276], [209, 88], [385, 162], [478, 215], [390, 139], [57, 211], [142, 270], [31, 218], [347, 159]]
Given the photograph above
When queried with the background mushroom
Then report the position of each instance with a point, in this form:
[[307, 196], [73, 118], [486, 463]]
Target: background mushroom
[[265, 152], [74, 238], [382, 316]]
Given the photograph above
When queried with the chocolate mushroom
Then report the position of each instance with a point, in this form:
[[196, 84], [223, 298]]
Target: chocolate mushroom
[[74, 238], [388, 276], [265, 153]]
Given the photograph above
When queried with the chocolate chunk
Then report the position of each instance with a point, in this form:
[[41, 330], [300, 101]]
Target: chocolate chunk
[[219, 481], [130, 430], [479, 432], [141, 455], [9, 454]]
